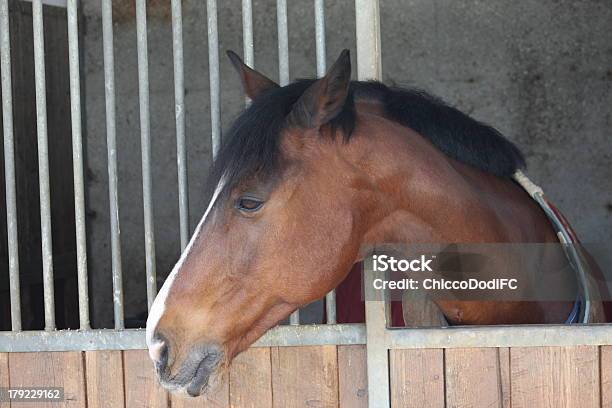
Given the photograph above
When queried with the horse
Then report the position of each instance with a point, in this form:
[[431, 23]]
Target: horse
[[310, 174]]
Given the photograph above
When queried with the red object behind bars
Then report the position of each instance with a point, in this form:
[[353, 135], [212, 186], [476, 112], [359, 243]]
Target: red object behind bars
[[349, 306]]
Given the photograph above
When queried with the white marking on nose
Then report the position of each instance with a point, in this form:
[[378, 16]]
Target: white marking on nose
[[156, 350], [159, 304]]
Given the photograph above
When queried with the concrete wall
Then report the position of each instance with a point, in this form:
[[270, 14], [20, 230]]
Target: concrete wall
[[539, 70]]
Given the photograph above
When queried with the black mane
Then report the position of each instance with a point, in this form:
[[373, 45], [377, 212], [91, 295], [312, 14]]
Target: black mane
[[251, 146], [450, 130]]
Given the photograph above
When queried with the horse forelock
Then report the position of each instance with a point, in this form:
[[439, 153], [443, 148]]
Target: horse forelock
[[251, 147]]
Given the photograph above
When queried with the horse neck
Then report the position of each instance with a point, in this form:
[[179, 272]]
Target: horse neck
[[427, 197]]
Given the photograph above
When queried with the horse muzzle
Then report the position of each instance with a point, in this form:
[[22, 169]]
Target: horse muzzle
[[191, 375]]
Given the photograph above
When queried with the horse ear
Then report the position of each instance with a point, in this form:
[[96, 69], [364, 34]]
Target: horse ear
[[324, 99], [253, 82]]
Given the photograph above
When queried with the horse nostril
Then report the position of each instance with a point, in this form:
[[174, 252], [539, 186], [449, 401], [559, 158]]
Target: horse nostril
[[158, 351], [163, 359]]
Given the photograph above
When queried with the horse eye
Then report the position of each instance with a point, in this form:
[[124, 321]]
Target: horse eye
[[248, 204]]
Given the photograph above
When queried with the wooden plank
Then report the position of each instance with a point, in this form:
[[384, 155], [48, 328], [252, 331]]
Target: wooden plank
[[4, 369], [251, 379], [141, 386], [4, 374], [473, 377], [606, 376], [417, 378], [555, 376], [504, 365], [218, 398], [50, 369], [353, 376], [104, 371], [305, 376]]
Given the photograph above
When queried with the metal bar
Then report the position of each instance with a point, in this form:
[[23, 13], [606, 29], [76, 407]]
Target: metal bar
[[313, 335], [247, 37], [247, 32], [73, 340], [77, 162], [369, 66], [283, 42], [43, 163], [376, 343], [145, 145], [367, 21], [67, 340], [213, 71], [283, 76], [294, 318], [340, 334], [330, 307], [9, 166], [179, 112], [319, 9], [500, 336], [111, 147]]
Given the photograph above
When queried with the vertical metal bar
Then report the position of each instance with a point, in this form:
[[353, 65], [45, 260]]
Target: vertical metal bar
[[319, 5], [9, 166], [320, 36], [330, 307], [247, 32], [111, 149], [377, 359], [367, 21], [213, 70], [283, 42], [283, 76], [294, 318], [145, 142], [369, 66], [247, 36], [77, 162], [43, 163], [179, 111]]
